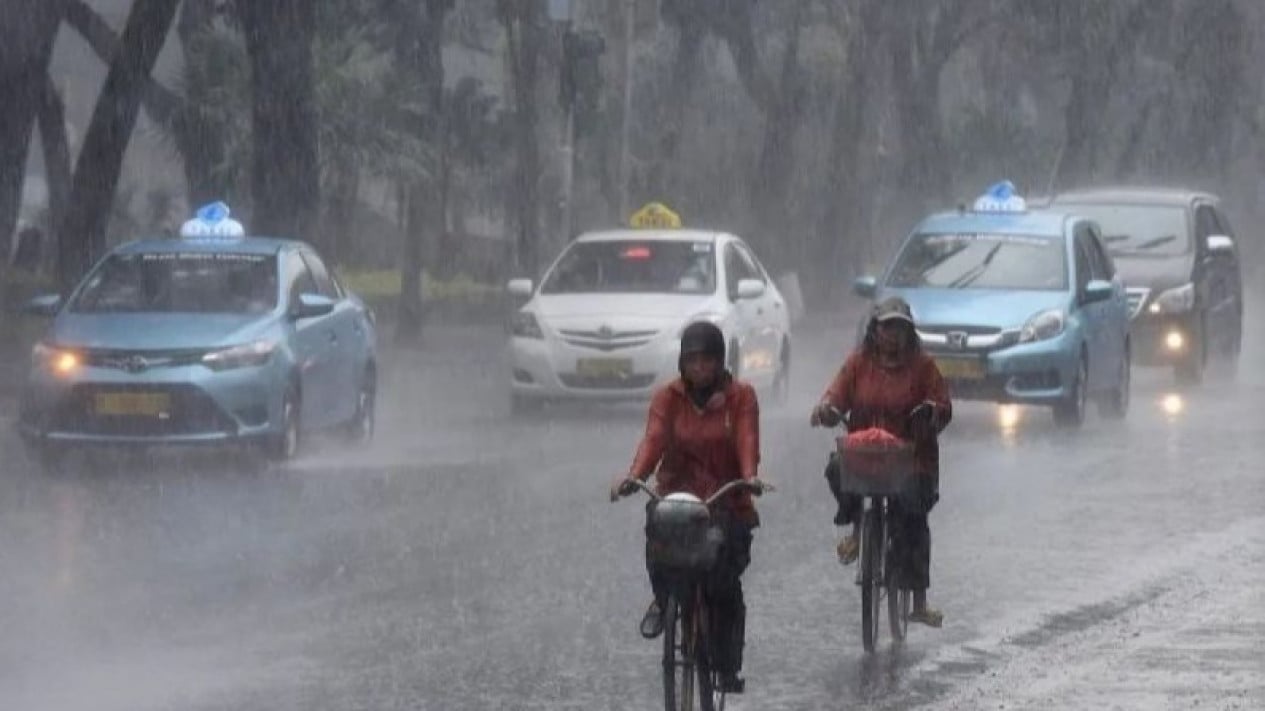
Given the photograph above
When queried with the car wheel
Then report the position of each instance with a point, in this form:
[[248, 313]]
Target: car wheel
[[284, 446], [1115, 405], [1191, 370], [782, 379], [1071, 412], [363, 423], [525, 405]]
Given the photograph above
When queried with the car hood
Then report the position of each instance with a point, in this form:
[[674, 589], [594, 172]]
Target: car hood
[[988, 308], [156, 331], [579, 310], [1155, 273]]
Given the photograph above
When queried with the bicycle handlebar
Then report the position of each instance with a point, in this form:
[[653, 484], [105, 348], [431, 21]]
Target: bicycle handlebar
[[755, 486]]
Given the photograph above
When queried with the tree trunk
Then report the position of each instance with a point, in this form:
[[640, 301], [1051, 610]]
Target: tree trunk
[[525, 36], [846, 208], [285, 176], [27, 31], [56, 147], [81, 238]]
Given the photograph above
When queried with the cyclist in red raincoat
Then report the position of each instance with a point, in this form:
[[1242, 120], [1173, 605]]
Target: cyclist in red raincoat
[[881, 384]]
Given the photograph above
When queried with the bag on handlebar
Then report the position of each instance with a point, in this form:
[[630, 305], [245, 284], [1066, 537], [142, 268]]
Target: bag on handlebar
[[681, 533], [875, 462]]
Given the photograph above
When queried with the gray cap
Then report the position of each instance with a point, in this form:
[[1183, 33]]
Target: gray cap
[[893, 309]]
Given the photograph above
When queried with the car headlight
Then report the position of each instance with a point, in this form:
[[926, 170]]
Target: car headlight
[[525, 325], [248, 355], [61, 361], [1044, 325], [1177, 300]]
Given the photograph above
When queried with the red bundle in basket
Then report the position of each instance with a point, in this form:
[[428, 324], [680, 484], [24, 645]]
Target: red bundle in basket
[[875, 452]]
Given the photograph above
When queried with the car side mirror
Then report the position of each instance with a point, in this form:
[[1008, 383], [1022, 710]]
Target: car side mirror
[[866, 287], [1218, 244], [45, 305], [1096, 291], [750, 288], [311, 306], [520, 287]]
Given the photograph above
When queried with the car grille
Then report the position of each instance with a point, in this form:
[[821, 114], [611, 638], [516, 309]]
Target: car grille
[[134, 361], [191, 412], [1137, 299], [606, 339], [605, 382], [959, 339]]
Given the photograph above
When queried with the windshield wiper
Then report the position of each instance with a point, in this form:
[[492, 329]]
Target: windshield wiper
[[970, 275], [1155, 242], [1116, 238]]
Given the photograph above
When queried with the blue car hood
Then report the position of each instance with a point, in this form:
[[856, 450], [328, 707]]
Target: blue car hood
[[978, 307], [151, 331]]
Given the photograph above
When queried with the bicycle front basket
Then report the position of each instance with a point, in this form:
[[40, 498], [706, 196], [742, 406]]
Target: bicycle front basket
[[681, 534], [876, 470]]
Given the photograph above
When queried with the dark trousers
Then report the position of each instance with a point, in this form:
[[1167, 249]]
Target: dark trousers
[[723, 588], [907, 523]]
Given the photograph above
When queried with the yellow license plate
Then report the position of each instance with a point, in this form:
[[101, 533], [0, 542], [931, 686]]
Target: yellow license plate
[[131, 404], [961, 368], [603, 367]]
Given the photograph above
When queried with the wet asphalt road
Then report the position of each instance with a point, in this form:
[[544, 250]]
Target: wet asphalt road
[[472, 561]]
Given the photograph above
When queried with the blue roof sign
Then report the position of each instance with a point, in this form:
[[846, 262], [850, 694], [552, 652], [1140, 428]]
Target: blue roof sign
[[212, 223], [1001, 197]]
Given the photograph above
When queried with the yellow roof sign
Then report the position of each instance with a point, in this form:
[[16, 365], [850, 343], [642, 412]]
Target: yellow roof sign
[[655, 215]]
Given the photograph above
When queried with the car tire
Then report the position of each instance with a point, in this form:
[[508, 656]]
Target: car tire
[[1071, 412], [522, 405], [285, 445], [363, 424], [1191, 370], [782, 379], [1115, 404]]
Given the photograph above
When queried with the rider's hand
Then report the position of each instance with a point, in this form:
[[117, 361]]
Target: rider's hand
[[759, 487], [922, 420], [824, 415], [623, 486]]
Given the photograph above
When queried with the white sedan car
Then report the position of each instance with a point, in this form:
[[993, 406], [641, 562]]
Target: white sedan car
[[605, 322]]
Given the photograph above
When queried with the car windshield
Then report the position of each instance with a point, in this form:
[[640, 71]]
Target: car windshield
[[982, 261], [1139, 230], [181, 283], [651, 266]]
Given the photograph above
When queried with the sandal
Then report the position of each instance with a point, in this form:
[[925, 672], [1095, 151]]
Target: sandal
[[928, 617], [848, 549]]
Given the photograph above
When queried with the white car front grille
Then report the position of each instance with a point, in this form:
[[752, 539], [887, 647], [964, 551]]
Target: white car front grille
[[607, 339]]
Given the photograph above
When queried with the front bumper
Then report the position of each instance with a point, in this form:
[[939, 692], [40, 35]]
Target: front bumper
[[550, 368], [1164, 340], [185, 405], [1026, 374]]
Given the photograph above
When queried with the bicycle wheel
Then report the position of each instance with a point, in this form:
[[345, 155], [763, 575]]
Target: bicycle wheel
[[671, 614], [708, 698], [871, 576], [898, 606]]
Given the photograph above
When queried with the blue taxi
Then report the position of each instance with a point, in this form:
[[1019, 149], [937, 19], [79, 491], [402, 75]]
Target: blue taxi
[[1017, 305], [211, 338]]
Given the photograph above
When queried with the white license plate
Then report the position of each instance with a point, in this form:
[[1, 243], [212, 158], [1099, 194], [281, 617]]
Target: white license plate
[[961, 368], [603, 367]]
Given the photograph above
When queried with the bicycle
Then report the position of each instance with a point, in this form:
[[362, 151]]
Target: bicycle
[[686, 541], [879, 475]]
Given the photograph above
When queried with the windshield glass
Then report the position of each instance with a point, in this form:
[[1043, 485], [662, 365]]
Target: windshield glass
[[1139, 230], [651, 266], [982, 261], [181, 283]]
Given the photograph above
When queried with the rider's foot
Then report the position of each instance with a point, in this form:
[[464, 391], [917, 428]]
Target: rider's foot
[[731, 683], [927, 616], [848, 549], [652, 622]]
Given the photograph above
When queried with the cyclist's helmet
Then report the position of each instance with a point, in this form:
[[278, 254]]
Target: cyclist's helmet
[[702, 337]]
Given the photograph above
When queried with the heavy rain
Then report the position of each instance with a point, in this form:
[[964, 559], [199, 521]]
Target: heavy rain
[[329, 331]]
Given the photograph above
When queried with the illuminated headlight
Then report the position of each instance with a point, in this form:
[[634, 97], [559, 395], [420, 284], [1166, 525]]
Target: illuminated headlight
[[58, 360], [525, 325], [1175, 340], [249, 355], [1043, 326], [1174, 301]]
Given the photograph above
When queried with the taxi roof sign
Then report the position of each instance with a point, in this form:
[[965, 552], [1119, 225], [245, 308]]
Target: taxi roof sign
[[212, 222], [655, 215], [1001, 197]]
